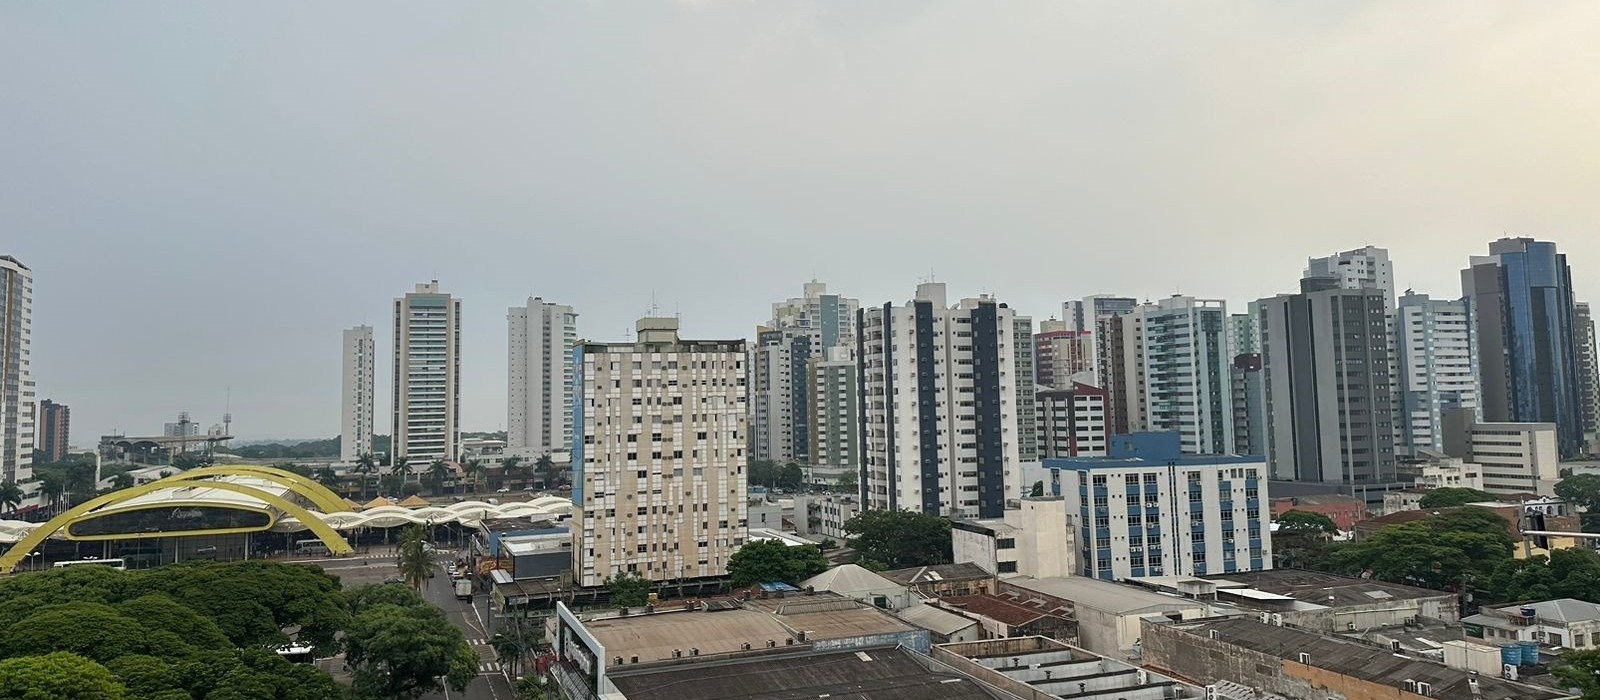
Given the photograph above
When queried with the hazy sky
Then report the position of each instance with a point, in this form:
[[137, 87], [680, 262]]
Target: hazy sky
[[209, 192]]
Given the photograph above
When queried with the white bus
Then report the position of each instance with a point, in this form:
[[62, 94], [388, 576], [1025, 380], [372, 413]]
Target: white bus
[[117, 564], [311, 547]]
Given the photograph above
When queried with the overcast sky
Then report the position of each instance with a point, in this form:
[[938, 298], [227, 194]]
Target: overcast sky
[[209, 192]]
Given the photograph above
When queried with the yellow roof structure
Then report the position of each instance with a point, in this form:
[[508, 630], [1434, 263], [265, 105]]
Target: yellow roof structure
[[353, 505], [414, 501], [378, 502]]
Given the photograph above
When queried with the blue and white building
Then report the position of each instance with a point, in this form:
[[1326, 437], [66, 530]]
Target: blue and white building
[[1151, 510]]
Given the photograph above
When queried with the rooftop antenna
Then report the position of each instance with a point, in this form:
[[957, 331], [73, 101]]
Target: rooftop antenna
[[227, 413]]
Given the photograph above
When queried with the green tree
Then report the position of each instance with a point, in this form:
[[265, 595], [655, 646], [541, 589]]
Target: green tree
[[327, 477], [405, 652], [144, 676], [896, 539], [509, 650], [1306, 522], [1451, 497], [410, 488], [185, 461], [11, 496], [1581, 670], [552, 474], [1583, 491], [791, 477], [1038, 489], [438, 470], [365, 466], [417, 559], [57, 676], [535, 688], [628, 590], [764, 561], [92, 630], [474, 470], [52, 488], [763, 472], [122, 481], [848, 482], [1461, 546]]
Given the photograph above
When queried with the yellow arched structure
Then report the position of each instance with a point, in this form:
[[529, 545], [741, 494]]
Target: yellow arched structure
[[335, 542], [319, 495]]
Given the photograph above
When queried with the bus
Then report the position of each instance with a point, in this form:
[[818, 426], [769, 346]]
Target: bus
[[117, 564], [311, 547], [297, 653]]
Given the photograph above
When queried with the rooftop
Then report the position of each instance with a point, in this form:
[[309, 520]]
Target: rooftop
[[848, 577], [868, 674], [965, 571], [1103, 595], [935, 619], [1360, 661], [996, 608], [1320, 588]]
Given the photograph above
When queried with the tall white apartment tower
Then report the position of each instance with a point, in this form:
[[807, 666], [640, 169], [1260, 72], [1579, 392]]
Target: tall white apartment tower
[[658, 483], [1363, 268], [1436, 367], [540, 336], [801, 332], [940, 405], [427, 375], [1178, 363], [356, 398], [16, 382]]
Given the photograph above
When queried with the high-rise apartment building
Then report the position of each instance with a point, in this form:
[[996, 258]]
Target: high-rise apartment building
[[1588, 373], [1437, 365], [1521, 303], [835, 402], [16, 381], [427, 375], [1249, 409], [800, 332], [540, 338], [1099, 316], [1023, 365], [939, 405], [1072, 422], [1327, 384], [1063, 357], [1086, 314], [658, 456], [55, 430], [1176, 362], [1362, 268], [357, 393], [1150, 510]]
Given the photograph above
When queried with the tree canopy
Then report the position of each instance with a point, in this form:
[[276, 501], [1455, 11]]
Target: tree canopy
[[1443, 551], [401, 647], [1449, 497], [57, 676], [896, 539], [766, 472], [628, 590], [1306, 521], [764, 561]]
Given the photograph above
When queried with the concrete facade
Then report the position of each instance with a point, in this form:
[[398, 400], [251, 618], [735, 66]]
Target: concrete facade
[[1176, 363], [1436, 367], [1033, 539], [834, 397], [16, 379], [427, 376], [357, 394], [55, 430], [801, 332], [540, 336], [1073, 422], [659, 470], [824, 516]]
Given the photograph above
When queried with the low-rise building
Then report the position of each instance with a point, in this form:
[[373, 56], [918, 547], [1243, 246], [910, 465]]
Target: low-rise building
[[1436, 470], [1343, 510], [1316, 601], [824, 516], [1039, 668], [873, 673], [537, 555], [1565, 622], [766, 514], [1107, 614], [943, 580], [858, 583], [942, 625], [1001, 617], [1032, 539], [1299, 665], [1536, 514], [1514, 457]]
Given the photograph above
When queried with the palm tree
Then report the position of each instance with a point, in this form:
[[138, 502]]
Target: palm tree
[[11, 496], [416, 557], [437, 471], [365, 466], [474, 469], [327, 477], [547, 469], [507, 467], [51, 490]]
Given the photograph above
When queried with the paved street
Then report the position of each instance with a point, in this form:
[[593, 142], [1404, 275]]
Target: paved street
[[491, 683]]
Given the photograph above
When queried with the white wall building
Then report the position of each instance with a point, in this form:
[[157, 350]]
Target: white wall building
[[1148, 510], [659, 473], [427, 376], [835, 400], [540, 337], [16, 380], [1516, 457], [802, 331], [1073, 422], [824, 516], [1177, 361], [941, 410], [1363, 268], [1032, 539], [1436, 363], [356, 394]]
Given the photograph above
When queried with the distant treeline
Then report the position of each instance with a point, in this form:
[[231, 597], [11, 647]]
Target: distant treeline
[[323, 449]]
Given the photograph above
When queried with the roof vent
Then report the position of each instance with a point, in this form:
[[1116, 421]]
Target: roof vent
[[1304, 658]]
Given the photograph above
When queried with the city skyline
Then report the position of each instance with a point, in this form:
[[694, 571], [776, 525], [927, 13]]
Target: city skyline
[[773, 143]]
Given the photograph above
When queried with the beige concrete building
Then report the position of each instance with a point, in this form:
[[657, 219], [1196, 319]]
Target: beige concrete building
[[427, 376], [1033, 539], [659, 474]]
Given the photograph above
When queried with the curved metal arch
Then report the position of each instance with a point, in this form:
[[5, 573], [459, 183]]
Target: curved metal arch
[[320, 495], [13, 556]]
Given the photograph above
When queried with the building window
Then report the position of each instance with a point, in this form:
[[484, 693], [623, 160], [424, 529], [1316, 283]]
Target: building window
[[1005, 543], [1008, 567]]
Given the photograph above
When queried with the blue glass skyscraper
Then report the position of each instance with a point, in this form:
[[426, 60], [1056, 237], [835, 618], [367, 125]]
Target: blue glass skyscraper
[[1521, 302]]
